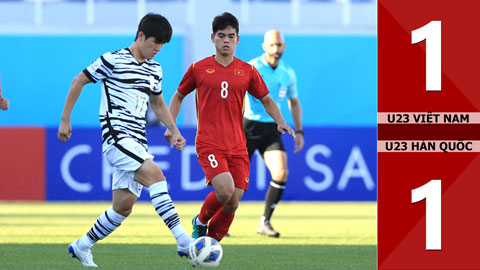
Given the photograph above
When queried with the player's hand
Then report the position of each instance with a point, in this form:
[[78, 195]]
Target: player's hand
[[178, 141], [168, 135], [299, 142], [64, 131], [282, 128], [3, 104]]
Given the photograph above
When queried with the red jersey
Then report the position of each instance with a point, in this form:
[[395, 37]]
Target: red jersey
[[220, 100]]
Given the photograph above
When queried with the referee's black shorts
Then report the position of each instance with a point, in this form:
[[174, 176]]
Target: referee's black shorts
[[262, 136]]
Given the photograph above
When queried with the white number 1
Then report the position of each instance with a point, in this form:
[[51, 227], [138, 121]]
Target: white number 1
[[432, 192], [432, 33]]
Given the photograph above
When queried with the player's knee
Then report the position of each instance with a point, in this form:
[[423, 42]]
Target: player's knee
[[158, 178], [224, 196], [224, 193], [281, 175], [155, 175], [123, 210], [231, 206]]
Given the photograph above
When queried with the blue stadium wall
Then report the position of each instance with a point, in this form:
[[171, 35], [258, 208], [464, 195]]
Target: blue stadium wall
[[337, 88]]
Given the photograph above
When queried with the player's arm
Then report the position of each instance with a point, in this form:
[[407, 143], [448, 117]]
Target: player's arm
[[4, 104], [296, 110], [65, 128], [274, 112], [163, 114], [3, 101], [175, 106]]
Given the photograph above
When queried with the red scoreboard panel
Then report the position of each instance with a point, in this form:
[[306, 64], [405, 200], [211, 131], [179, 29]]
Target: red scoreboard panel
[[22, 163], [428, 134]]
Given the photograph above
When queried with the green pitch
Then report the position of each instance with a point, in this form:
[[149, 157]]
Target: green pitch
[[313, 236]]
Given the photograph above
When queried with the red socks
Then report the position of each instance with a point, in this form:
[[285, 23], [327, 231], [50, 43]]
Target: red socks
[[219, 221], [210, 206], [219, 225]]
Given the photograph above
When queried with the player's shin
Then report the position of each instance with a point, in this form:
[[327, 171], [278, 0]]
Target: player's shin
[[219, 225], [166, 210], [210, 207], [274, 194], [105, 225]]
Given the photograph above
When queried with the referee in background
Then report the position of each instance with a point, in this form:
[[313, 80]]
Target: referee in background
[[260, 128]]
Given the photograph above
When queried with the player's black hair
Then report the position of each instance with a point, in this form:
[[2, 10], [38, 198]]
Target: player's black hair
[[223, 21], [157, 26]]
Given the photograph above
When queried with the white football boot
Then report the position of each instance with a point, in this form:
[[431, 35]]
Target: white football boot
[[182, 250], [186, 241], [85, 257]]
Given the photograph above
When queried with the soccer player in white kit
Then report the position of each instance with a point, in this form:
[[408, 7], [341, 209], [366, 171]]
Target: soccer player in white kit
[[130, 78]]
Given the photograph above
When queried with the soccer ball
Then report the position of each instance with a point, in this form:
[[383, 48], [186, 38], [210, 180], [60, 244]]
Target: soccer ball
[[205, 252]]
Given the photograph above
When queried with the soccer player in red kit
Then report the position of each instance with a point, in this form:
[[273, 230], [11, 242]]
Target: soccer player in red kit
[[221, 81]]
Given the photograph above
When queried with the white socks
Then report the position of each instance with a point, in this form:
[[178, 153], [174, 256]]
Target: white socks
[[164, 206], [105, 225], [111, 220]]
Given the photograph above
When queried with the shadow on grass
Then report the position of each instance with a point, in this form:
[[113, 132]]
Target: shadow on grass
[[148, 256]]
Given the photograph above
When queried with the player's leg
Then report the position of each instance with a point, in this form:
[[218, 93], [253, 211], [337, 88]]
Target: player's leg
[[221, 221], [105, 224], [273, 152], [239, 171], [150, 175], [224, 189], [125, 193], [253, 135], [144, 172], [123, 201], [276, 161], [216, 171]]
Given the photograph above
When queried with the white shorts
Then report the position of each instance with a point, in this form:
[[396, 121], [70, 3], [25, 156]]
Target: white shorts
[[126, 157]]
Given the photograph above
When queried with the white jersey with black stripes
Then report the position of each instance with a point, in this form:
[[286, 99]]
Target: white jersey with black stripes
[[126, 88]]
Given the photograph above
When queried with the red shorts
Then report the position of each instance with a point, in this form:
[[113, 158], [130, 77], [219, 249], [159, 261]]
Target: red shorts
[[215, 162]]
